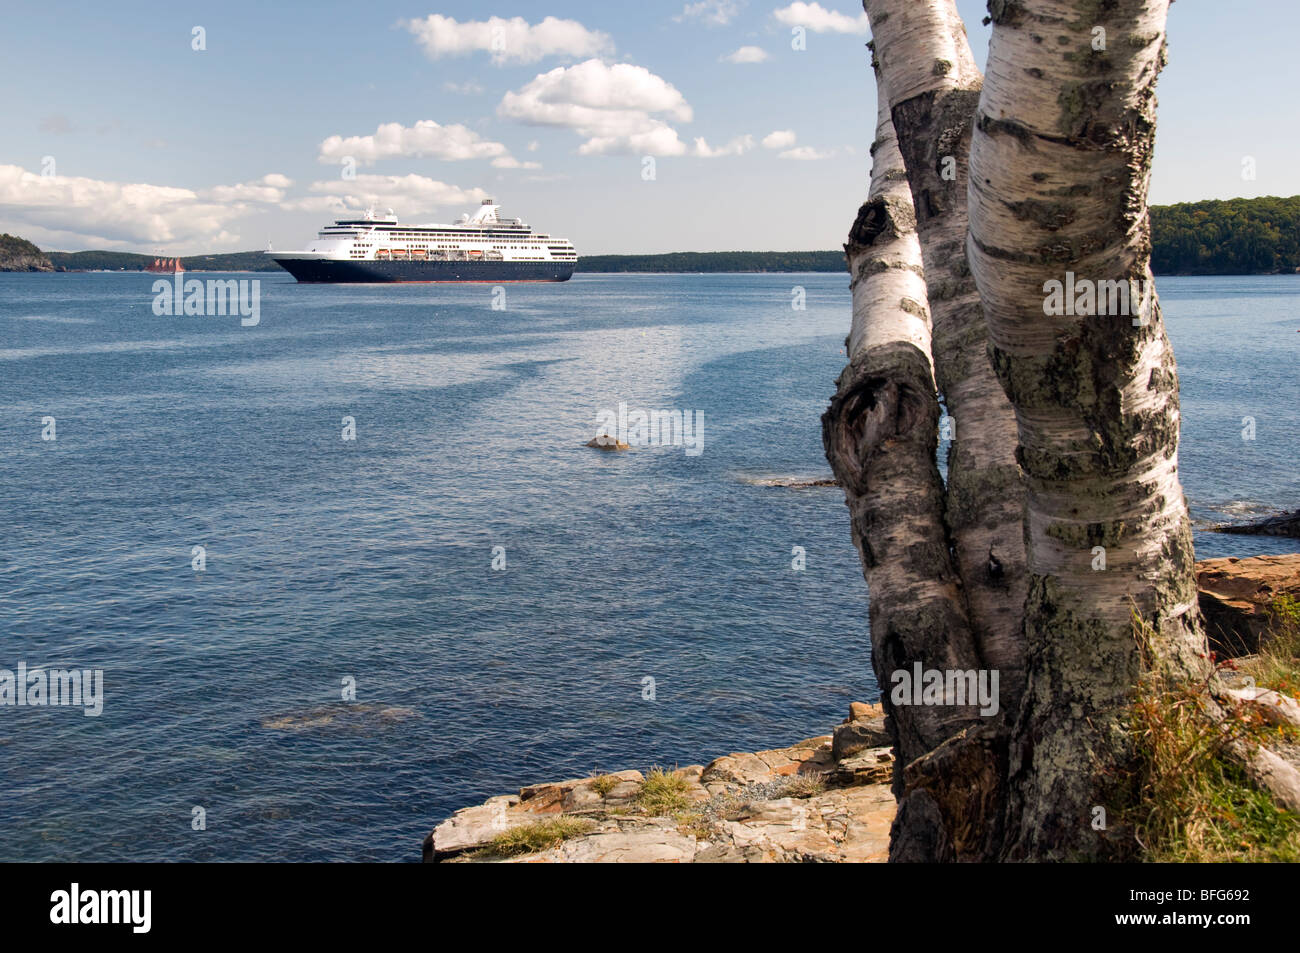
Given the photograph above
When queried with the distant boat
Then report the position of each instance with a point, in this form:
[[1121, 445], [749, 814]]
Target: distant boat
[[377, 248], [165, 266]]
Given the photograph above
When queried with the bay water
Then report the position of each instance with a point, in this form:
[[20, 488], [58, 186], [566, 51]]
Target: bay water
[[645, 609]]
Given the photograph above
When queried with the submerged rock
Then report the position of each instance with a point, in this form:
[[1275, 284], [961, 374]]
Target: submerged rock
[[1282, 524], [791, 482], [607, 442], [341, 716]]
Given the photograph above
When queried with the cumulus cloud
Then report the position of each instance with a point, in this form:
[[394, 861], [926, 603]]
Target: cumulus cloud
[[617, 108], [407, 194], [780, 139], [595, 85], [712, 12], [269, 189], [806, 154], [737, 146], [747, 54], [817, 18], [510, 162], [426, 139], [78, 211], [509, 41]]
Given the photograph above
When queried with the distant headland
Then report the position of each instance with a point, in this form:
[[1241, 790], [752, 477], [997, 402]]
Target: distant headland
[[17, 254]]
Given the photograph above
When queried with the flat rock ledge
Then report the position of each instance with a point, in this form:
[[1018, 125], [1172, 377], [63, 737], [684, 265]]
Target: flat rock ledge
[[1236, 595], [823, 799]]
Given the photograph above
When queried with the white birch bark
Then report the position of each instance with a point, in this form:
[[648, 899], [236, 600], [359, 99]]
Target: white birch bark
[[880, 435], [1060, 164], [933, 86]]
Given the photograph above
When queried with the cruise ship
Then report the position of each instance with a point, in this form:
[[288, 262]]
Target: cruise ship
[[377, 248]]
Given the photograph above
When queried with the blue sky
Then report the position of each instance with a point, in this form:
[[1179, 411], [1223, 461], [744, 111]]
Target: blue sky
[[157, 146]]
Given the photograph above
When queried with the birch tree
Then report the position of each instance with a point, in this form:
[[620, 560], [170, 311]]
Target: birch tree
[[880, 435], [1060, 165], [933, 86], [949, 778], [1047, 341]]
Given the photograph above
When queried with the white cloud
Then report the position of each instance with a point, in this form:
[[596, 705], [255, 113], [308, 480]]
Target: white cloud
[[513, 40], [747, 54], [620, 110], [426, 139], [780, 139], [737, 146], [712, 12], [269, 189], [820, 20], [510, 162], [651, 138], [74, 211], [612, 107], [806, 153], [595, 85], [407, 194], [467, 88]]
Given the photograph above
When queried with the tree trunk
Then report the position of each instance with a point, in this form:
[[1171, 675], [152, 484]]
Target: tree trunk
[[933, 86], [880, 434], [1060, 163]]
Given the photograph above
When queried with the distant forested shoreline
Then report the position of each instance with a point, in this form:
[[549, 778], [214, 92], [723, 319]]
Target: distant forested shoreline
[[1232, 237], [1216, 237], [128, 261]]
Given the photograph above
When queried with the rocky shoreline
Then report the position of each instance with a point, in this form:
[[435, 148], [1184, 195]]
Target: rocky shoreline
[[823, 799]]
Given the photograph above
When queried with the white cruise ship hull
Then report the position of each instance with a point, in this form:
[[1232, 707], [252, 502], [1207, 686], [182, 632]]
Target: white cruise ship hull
[[317, 270]]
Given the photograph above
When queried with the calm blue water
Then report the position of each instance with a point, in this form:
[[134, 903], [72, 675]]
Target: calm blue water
[[370, 559]]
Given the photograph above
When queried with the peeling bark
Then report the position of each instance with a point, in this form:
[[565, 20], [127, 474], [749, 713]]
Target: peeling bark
[[1059, 170], [933, 85], [953, 808], [880, 433]]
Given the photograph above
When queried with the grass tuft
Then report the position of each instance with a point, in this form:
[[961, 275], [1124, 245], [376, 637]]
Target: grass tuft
[[663, 792], [534, 837], [803, 785]]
